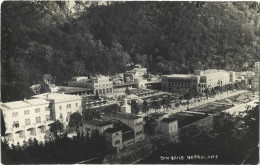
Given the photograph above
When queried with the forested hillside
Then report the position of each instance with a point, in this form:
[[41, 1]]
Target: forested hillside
[[168, 37]]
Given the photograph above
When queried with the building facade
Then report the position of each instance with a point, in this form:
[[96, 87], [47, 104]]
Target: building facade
[[26, 120], [62, 105], [101, 126], [168, 125], [200, 80], [99, 84], [132, 121]]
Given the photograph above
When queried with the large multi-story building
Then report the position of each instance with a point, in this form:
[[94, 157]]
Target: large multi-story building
[[98, 84], [179, 82], [62, 105], [212, 78], [26, 119], [200, 80], [132, 121], [31, 118]]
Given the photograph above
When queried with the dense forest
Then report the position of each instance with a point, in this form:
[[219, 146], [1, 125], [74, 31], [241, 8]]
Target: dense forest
[[90, 38]]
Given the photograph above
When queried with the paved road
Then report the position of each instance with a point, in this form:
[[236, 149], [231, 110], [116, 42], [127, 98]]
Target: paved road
[[241, 107], [218, 97]]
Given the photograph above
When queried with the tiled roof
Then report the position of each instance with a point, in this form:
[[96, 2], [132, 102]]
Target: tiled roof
[[98, 123]]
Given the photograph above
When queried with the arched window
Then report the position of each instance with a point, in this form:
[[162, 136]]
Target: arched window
[[60, 108]]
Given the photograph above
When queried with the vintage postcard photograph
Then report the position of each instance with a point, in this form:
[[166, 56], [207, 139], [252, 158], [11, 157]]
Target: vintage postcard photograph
[[130, 82]]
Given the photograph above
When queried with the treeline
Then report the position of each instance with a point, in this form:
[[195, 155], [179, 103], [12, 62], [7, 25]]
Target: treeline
[[168, 37], [61, 150]]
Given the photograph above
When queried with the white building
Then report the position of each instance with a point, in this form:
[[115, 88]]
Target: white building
[[62, 105], [132, 121], [98, 84], [26, 119]]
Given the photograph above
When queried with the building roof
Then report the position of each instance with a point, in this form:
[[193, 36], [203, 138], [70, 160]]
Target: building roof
[[158, 114], [72, 89], [168, 120], [112, 130], [179, 75], [124, 116], [22, 104], [57, 97], [124, 84], [98, 123]]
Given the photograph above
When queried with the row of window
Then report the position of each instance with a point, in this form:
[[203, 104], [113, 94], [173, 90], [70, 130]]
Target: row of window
[[179, 85], [27, 112], [68, 106], [107, 90]]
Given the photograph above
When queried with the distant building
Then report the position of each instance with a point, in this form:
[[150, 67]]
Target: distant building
[[133, 121], [26, 120], [135, 73], [98, 84], [179, 82], [168, 125], [121, 136], [200, 80]]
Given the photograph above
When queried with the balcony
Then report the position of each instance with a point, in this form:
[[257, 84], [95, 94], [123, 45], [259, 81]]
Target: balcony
[[20, 128], [40, 123], [49, 122], [30, 126]]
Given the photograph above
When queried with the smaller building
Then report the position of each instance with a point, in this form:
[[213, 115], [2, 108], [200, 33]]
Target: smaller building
[[168, 125], [101, 126], [113, 138], [133, 121], [158, 118]]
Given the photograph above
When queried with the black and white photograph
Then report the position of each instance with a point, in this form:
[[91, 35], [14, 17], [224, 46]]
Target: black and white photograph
[[130, 82]]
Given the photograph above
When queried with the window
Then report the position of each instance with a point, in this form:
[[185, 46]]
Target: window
[[117, 142], [27, 122], [14, 114], [46, 108], [16, 124], [61, 116], [37, 110], [38, 119], [26, 112], [47, 117], [60, 108], [76, 104], [117, 134]]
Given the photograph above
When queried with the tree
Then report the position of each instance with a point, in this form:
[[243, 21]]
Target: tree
[[250, 123], [57, 128], [134, 107], [75, 120], [96, 96], [3, 129], [166, 103], [127, 91], [45, 88], [150, 125], [79, 67], [145, 107]]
